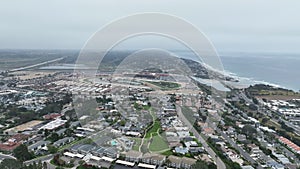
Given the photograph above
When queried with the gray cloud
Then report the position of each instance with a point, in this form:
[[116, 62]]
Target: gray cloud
[[231, 25]]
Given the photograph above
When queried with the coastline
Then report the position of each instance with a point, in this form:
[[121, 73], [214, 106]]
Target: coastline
[[245, 82]]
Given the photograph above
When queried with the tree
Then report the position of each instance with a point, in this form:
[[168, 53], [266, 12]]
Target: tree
[[22, 153], [46, 133], [203, 165], [248, 130], [255, 101], [52, 149], [45, 165], [10, 164], [264, 120], [53, 137], [253, 107], [69, 132], [235, 166]]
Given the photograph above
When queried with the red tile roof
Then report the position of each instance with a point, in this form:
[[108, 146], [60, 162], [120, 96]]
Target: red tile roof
[[290, 144]]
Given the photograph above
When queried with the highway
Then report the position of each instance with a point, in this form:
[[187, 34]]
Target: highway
[[220, 164], [36, 65]]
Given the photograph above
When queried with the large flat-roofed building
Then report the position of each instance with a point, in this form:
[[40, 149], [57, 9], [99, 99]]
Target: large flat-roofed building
[[54, 124]]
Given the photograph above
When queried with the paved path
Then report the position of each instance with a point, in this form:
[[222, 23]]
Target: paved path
[[143, 139]]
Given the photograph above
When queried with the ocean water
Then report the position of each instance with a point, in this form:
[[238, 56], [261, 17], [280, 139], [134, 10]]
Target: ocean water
[[281, 70], [278, 69]]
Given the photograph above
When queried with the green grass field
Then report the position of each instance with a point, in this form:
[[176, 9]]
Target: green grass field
[[165, 85], [158, 144], [137, 143], [153, 129]]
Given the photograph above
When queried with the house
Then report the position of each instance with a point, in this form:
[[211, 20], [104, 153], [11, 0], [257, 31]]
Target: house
[[183, 134], [52, 116], [181, 150], [99, 151], [82, 148], [247, 167], [196, 150], [241, 137], [154, 159], [110, 152], [191, 144], [158, 159], [274, 165], [75, 124], [173, 141], [87, 148], [187, 139], [133, 156], [187, 162], [63, 141], [38, 145], [174, 161], [177, 162], [61, 131], [147, 158], [253, 148], [20, 137]]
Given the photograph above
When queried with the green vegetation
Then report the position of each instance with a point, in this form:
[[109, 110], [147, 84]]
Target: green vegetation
[[15, 164], [203, 165], [61, 163], [285, 127], [229, 164], [141, 107], [163, 85], [158, 144], [270, 92], [52, 149], [22, 153], [103, 99], [10, 164], [22, 115], [249, 131], [283, 130], [53, 137], [189, 114], [154, 129], [137, 143], [167, 153]]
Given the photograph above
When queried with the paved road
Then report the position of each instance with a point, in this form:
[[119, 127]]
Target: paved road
[[288, 153], [5, 156], [220, 164], [36, 160], [242, 152], [36, 65]]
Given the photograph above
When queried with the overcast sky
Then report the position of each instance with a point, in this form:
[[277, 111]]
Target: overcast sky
[[232, 25]]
